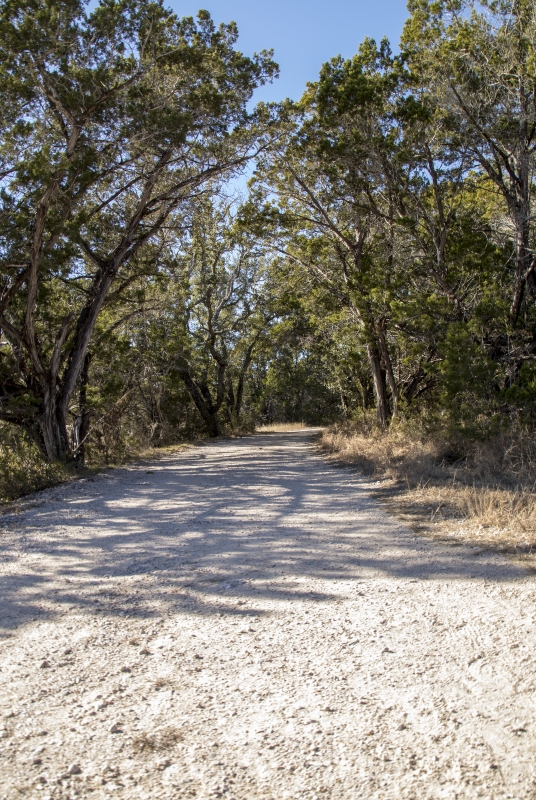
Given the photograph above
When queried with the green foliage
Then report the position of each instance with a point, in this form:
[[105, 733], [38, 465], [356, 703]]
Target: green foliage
[[22, 467], [384, 258], [468, 382], [522, 393]]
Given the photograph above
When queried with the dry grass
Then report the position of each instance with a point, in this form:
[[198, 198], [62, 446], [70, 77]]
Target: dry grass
[[161, 739], [281, 427], [477, 491], [163, 683]]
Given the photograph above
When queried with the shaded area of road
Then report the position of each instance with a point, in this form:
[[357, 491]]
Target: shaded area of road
[[230, 520]]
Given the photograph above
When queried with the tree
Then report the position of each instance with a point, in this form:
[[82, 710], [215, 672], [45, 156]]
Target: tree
[[326, 220], [112, 121], [308, 368], [378, 206], [225, 313], [477, 60]]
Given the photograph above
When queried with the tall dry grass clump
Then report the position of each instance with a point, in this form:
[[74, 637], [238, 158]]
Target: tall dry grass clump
[[484, 490], [281, 427]]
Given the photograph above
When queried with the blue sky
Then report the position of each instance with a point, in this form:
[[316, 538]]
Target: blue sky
[[303, 34]]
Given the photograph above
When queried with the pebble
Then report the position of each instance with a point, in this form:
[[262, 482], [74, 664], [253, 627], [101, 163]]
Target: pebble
[[116, 728]]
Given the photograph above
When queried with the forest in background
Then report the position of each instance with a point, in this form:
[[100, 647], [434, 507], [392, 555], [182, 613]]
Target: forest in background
[[377, 273]]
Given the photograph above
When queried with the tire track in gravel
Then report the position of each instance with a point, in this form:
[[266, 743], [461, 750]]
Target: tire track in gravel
[[242, 620]]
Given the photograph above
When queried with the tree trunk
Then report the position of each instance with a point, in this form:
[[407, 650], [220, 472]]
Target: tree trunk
[[81, 425], [53, 427], [524, 260], [204, 404], [344, 400], [380, 392], [386, 356], [520, 210], [239, 397]]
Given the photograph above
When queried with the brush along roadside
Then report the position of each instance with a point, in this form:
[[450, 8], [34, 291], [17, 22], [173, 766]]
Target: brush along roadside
[[477, 492], [23, 471]]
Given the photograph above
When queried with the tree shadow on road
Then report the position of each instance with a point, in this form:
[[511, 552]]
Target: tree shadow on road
[[219, 529]]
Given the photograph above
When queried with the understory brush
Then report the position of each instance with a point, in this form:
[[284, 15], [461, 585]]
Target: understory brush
[[112, 442], [455, 486], [22, 468]]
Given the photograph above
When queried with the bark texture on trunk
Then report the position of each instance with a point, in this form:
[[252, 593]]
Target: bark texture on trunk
[[389, 373], [380, 390], [81, 424], [53, 427], [235, 399], [203, 402]]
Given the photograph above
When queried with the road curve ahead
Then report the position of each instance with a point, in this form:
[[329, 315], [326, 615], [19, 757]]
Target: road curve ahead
[[242, 620]]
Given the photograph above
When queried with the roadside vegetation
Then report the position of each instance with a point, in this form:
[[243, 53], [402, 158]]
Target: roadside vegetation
[[457, 488], [377, 275], [281, 427]]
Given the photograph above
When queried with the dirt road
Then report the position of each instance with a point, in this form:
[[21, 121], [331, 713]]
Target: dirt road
[[242, 620]]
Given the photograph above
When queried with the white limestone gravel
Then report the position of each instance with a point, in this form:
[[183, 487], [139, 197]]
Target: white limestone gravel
[[242, 620]]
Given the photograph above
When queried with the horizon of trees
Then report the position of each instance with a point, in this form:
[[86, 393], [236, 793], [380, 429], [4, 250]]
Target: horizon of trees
[[383, 258]]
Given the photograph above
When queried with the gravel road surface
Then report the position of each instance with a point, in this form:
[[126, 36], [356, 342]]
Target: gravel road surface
[[242, 620]]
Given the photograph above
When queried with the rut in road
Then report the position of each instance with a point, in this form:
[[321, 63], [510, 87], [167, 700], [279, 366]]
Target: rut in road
[[242, 620]]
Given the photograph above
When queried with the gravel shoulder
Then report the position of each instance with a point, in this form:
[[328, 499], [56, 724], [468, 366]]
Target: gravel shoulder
[[243, 620]]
